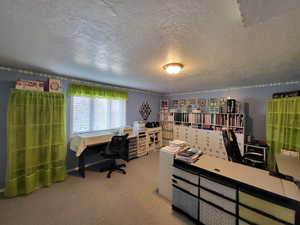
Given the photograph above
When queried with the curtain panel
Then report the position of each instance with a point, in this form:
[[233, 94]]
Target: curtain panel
[[36, 141], [283, 126], [96, 92]]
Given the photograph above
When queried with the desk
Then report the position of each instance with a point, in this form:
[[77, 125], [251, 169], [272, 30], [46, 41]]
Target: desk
[[215, 191], [81, 142], [288, 165]]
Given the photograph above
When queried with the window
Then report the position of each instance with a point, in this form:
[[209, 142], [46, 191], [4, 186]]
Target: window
[[93, 114]]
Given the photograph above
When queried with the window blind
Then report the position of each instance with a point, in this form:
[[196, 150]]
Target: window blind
[[94, 114]]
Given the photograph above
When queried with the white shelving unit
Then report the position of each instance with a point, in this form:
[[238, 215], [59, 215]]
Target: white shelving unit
[[202, 130], [142, 144], [149, 140], [154, 139]]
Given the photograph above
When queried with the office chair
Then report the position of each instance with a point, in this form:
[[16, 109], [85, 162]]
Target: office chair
[[117, 149], [253, 159]]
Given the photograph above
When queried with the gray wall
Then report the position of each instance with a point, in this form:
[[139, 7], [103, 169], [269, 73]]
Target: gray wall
[[254, 100], [7, 81]]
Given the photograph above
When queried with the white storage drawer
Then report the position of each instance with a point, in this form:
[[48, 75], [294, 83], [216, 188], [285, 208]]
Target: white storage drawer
[[186, 186], [210, 215], [219, 188], [187, 203], [219, 201], [186, 175]]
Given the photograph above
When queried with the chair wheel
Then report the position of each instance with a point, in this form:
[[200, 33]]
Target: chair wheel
[[124, 172], [108, 176]]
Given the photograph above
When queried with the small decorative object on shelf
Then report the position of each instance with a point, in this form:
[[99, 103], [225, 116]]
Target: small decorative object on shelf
[[231, 106], [54, 85], [32, 85]]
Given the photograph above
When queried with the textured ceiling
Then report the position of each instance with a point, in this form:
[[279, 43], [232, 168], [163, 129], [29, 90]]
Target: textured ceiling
[[127, 42]]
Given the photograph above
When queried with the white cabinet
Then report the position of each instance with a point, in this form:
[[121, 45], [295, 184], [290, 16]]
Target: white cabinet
[[185, 202], [191, 136], [182, 133], [166, 168], [176, 132], [208, 141]]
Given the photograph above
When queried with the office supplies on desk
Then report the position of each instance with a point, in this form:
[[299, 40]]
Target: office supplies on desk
[[189, 155]]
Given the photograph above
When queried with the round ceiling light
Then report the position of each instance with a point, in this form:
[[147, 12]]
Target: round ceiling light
[[173, 68]]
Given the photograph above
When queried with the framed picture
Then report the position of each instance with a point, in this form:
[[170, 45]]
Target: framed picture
[[30, 85], [54, 85]]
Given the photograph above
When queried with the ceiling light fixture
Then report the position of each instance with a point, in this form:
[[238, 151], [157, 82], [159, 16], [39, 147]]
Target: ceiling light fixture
[[173, 68]]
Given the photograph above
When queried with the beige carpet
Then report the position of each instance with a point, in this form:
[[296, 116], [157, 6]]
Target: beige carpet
[[122, 200]]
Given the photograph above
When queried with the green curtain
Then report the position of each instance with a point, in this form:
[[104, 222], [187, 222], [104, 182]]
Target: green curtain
[[96, 92], [283, 126], [36, 141]]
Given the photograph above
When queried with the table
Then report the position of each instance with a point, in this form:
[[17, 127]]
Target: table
[[81, 142], [288, 165], [216, 191]]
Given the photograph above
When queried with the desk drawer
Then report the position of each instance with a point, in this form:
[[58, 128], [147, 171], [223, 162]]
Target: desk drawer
[[269, 208], [186, 175], [219, 201], [187, 203], [219, 188], [210, 215], [186, 186], [257, 218], [242, 222]]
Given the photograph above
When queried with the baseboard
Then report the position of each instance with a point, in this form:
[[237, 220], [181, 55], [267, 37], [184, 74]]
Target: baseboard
[[86, 165]]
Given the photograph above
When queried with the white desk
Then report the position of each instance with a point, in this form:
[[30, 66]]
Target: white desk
[[248, 175], [80, 142], [288, 165], [215, 191]]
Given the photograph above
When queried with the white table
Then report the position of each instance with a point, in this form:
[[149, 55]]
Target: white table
[[81, 142]]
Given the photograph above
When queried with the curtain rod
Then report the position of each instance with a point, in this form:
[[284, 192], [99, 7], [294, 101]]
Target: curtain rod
[[75, 80]]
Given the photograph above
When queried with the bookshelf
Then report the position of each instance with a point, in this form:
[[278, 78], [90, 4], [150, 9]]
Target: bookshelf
[[200, 122]]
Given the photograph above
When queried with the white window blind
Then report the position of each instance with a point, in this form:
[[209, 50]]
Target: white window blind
[[94, 114]]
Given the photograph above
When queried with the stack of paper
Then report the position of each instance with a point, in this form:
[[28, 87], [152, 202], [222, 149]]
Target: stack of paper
[[179, 143], [189, 156]]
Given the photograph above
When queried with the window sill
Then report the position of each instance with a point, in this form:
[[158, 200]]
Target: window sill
[[107, 131]]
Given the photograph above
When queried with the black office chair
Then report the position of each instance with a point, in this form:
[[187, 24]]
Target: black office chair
[[253, 159], [117, 149]]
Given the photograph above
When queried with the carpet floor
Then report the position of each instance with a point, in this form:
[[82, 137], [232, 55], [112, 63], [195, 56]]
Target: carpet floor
[[129, 199]]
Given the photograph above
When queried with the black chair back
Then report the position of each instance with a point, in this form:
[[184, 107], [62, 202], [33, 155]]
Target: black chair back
[[236, 153], [231, 146], [118, 146], [226, 144]]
